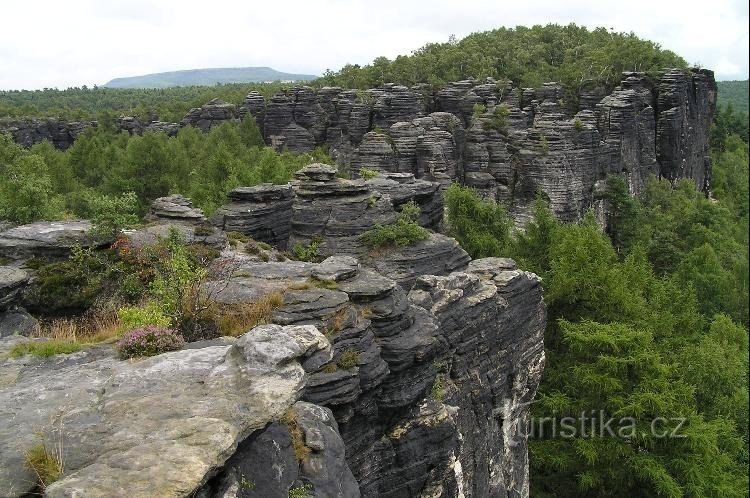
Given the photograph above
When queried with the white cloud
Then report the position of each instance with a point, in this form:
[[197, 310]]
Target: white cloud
[[48, 43]]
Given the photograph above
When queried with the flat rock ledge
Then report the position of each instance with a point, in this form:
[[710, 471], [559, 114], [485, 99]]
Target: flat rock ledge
[[158, 426]]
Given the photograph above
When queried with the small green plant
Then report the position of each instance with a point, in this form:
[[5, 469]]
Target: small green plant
[[438, 388], [405, 232], [368, 174], [132, 317], [479, 109], [45, 349], [303, 491], [543, 145], [307, 252], [578, 124], [46, 462], [348, 359], [246, 484]]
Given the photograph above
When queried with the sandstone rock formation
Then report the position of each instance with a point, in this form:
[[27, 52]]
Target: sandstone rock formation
[[511, 144], [262, 212], [155, 427], [47, 239]]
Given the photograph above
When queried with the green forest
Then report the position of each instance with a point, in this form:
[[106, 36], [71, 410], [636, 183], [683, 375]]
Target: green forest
[[734, 93], [649, 319]]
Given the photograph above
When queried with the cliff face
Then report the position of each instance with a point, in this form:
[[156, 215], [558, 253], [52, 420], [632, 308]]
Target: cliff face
[[509, 143], [406, 373]]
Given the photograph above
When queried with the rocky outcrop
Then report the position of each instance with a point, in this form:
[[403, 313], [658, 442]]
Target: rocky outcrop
[[210, 115], [332, 213], [16, 321], [430, 391], [47, 239], [30, 131], [510, 144], [175, 208], [262, 212], [156, 427]]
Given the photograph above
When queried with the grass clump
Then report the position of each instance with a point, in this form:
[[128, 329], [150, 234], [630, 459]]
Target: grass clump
[[578, 124], [45, 349], [337, 322], [438, 389], [348, 359], [45, 462], [368, 174], [235, 320], [405, 232], [289, 419]]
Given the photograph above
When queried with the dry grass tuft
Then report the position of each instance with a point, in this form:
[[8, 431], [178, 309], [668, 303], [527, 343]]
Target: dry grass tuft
[[100, 327], [235, 320], [301, 451], [46, 461], [337, 322]]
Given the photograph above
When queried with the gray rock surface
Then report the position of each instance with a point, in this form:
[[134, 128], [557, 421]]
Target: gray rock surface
[[16, 321], [262, 212], [152, 427], [175, 208], [47, 239], [12, 281]]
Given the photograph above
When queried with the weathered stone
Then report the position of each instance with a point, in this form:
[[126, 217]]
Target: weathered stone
[[16, 321], [175, 208], [47, 239], [156, 427], [262, 212], [12, 281]]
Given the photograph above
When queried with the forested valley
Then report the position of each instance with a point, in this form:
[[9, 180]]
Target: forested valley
[[646, 319]]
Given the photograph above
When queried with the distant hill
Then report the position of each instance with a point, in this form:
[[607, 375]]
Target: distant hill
[[735, 93], [206, 77]]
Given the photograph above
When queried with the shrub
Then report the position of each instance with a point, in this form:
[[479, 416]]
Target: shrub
[[45, 349], [348, 359], [498, 121], [203, 230], [132, 317], [46, 463], [578, 124], [71, 285], [368, 174], [479, 109], [149, 341], [405, 232], [481, 227], [303, 491], [308, 252], [109, 214]]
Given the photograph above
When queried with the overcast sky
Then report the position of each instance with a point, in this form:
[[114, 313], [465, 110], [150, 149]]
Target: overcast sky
[[62, 43]]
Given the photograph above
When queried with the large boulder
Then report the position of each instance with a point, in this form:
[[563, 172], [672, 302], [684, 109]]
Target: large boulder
[[154, 427]]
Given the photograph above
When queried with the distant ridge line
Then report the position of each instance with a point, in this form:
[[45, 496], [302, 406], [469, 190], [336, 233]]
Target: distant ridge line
[[206, 77]]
